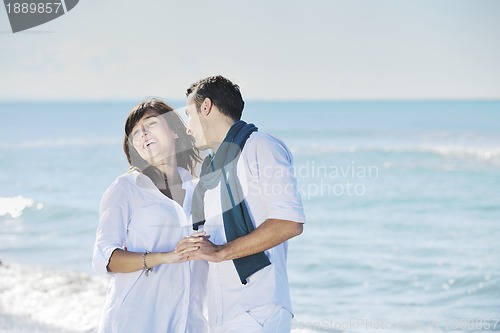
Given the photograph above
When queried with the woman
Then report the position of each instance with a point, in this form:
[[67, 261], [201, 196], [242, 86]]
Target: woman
[[143, 215]]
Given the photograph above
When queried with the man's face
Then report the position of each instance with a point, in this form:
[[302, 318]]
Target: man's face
[[194, 124]]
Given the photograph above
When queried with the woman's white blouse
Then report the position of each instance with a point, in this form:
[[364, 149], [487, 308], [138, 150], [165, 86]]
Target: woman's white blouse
[[135, 214]]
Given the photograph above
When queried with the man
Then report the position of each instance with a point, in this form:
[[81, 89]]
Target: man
[[249, 206]]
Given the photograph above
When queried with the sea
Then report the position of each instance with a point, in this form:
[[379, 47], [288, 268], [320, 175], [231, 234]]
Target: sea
[[402, 200]]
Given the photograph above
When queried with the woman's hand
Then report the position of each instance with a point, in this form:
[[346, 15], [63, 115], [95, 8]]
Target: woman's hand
[[175, 256]]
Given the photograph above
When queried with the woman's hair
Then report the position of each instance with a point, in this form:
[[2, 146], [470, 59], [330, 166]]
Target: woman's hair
[[186, 153]]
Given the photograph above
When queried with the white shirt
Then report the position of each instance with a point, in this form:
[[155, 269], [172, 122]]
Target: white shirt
[[135, 213], [265, 172]]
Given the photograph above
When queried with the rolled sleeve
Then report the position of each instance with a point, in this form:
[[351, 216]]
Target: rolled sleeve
[[112, 229], [273, 168]]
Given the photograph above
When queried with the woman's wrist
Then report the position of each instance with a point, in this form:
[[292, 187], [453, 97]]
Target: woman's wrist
[[145, 267], [170, 257], [157, 258], [154, 259]]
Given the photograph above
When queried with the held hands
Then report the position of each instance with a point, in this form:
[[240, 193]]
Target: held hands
[[182, 252], [123, 261], [175, 257], [198, 247]]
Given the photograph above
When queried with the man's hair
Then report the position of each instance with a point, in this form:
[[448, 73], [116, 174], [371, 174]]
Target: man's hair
[[223, 94]]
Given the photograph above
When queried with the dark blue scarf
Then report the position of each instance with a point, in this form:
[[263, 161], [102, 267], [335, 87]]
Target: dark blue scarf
[[222, 169]]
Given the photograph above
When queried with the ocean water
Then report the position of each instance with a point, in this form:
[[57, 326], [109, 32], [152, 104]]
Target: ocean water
[[402, 202]]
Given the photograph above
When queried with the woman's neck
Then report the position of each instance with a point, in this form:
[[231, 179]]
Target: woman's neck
[[169, 169], [168, 166]]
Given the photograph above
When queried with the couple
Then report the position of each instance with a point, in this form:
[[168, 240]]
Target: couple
[[177, 247]]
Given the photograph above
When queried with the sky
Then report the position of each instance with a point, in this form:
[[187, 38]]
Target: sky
[[275, 50]]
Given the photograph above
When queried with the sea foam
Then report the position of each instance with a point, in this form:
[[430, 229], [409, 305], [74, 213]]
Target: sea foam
[[33, 299], [49, 301], [14, 206]]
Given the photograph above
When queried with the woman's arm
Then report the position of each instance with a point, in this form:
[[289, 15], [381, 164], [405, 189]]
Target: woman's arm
[[123, 261]]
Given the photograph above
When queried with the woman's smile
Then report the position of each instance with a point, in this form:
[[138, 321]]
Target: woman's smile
[[149, 142]]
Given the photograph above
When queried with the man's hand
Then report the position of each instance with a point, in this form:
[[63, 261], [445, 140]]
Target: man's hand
[[203, 248], [206, 249], [269, 234]]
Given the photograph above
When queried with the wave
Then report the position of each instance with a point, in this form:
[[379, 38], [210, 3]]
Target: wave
[[14, 206], [62, 143], [20, 324], [33, 299], [50, 301], [482, 153]]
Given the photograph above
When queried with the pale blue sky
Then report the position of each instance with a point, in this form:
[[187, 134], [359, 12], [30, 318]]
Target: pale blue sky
[[328, 49]]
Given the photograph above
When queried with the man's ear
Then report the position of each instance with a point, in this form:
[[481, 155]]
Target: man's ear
[[206, 106]]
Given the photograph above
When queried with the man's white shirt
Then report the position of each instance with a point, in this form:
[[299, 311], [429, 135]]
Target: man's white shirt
[[266, 174]]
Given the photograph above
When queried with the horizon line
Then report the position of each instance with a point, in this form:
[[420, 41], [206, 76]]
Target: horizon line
[[253, 100]]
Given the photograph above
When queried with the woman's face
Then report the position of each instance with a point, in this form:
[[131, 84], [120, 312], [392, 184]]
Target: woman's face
[[153, 139]]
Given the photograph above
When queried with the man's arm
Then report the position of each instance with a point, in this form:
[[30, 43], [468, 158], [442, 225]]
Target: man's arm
[[271, 165], [268, 235]]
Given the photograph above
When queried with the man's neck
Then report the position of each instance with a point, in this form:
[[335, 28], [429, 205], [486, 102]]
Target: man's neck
[[220, 130]]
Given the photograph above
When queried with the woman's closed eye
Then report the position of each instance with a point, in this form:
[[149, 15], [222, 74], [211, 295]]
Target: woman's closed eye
[[150, 122], [136, 132]]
